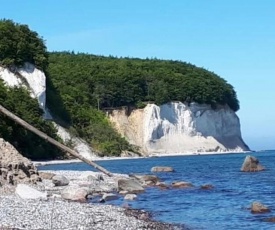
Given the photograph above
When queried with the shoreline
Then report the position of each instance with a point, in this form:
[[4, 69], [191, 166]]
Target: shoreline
[[95, 159], [54, 212]]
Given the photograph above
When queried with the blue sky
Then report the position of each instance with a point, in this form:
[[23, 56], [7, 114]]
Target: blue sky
[[235, 39]]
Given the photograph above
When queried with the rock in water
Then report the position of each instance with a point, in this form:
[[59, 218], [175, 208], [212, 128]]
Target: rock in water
[[182, 184], [130, 197], [26, 192], [132, 186], [109, 196], [251, 164], [146, 179], [162, 169], [14, 168], [257, 207]]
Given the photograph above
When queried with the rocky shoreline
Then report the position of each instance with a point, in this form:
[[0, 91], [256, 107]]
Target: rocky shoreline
[[54, 212], [33, 199]]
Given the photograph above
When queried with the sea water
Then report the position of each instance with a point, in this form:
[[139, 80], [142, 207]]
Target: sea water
[[226, 206]]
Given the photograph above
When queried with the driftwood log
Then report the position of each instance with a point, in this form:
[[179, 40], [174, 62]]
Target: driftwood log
[[51, 140]]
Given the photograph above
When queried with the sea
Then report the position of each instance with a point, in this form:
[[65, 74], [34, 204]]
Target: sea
[[226, 206]]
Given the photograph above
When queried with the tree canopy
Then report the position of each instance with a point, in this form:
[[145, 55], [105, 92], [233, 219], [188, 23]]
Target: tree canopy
[[103, 82], [19, 44]]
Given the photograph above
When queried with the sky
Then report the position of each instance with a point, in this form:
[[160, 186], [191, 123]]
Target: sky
[[235, 39]]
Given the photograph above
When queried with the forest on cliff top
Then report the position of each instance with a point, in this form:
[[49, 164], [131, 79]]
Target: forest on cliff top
[[81, 86]]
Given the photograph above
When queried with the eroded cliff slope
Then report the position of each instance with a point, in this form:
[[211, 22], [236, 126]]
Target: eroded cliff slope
[[178, 128]]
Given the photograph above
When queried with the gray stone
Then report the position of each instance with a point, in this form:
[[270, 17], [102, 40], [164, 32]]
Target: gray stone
[[59, 180], [26, 192], [109, 196], [14, 168], [130, 197], [162, 185], [251, 164], [146, 179], [74, 193], [181, 184], [162, 169], [130, 185], [257, 207]]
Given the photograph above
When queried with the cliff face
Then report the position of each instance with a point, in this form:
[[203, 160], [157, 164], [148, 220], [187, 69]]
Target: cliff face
[[178, 128], [30, 77]]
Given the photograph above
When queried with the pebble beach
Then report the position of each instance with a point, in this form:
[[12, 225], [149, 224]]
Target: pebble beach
[[56, 213]]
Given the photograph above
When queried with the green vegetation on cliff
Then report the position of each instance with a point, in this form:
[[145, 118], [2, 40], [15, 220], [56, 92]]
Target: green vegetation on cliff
[[103, 82], [18, 44], [30, 145]]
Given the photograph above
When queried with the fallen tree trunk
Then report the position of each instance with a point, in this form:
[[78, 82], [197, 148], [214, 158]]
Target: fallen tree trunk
[[51, 140]]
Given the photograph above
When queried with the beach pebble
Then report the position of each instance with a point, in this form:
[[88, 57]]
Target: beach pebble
[[59, 180]]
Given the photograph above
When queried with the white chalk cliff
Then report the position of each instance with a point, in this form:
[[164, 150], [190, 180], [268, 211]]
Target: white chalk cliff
[[34, 80], [178, 128]]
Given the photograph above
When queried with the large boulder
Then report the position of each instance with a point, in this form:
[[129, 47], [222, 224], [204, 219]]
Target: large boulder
[[130, 185], [26, 192], [251, 164], [14, 168], [162, 169], [74, 193], [59, 180]]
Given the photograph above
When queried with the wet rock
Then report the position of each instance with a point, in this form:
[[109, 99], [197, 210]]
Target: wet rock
[[257, 207], [251, 164], [130, 197], [109, 196], [14, 168], [269, 219], [162, 185], [130, 185], [147, 180], [207, 186], [181, 184], [74, 193], [162, 169], [59, 180], [26, 192]]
